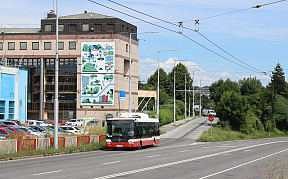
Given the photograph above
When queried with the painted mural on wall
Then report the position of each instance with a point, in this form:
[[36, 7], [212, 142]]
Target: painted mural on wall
[[97, 57], [97, 89]]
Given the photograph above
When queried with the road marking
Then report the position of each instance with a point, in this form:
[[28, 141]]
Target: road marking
[[110, 163], [184, 151], [152, 156], [247, 150], [182, 161], [48, 172], [243, 164]]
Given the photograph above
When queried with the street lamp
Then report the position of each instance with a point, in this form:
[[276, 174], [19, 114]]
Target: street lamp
[[193, 93], [200, 108], [130, 61], [158, 88], [175, 91]]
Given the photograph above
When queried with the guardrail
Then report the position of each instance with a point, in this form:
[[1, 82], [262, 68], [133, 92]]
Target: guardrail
[[21, 145]]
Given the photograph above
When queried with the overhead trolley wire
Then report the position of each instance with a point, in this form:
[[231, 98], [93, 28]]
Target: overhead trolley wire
[[197, 22], [232, 12], [168, 30]]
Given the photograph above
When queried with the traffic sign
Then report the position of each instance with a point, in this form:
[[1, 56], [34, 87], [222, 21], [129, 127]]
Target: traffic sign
[[211, 118]]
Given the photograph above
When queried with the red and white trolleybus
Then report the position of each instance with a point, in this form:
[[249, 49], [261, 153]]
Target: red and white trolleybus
[[132, 130]]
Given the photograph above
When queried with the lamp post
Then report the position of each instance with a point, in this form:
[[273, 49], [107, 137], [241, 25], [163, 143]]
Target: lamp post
[[158, 88], [200, 108], [56, 102], [130, 62], [193, 94], [175, 92]]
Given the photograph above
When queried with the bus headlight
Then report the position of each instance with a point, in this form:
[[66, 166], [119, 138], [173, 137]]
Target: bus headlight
[[108, 141]]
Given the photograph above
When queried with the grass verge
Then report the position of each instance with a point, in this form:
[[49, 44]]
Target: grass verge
[[220, 134], [52, 151]]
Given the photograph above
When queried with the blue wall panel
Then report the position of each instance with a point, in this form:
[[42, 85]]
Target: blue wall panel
[[22, 95], [8, 86]]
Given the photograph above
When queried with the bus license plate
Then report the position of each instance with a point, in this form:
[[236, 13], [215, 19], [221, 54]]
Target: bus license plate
[[119, 145]]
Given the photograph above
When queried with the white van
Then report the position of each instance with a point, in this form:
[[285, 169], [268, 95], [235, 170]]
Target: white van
[[209, 112]]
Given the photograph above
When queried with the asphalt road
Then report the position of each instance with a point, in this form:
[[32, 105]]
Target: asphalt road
[[178, 156]]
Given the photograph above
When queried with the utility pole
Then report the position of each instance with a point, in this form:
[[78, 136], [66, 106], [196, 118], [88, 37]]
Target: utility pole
[[185, 100], [56, 102], [130, 65], [200, 108], [158, 83]]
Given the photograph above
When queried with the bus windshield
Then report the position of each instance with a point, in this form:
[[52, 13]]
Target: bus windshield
[[120, 128]]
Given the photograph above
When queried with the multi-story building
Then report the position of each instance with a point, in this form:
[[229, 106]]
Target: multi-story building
[[93, 65]]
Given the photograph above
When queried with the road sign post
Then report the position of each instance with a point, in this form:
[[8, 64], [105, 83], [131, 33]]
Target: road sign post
[[211, 119]]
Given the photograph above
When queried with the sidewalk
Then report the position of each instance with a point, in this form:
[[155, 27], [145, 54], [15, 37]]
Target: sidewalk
[[170, 127]]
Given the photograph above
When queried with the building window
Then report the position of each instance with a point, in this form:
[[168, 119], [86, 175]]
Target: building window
[[110, 28], [1, 45], [60, 28], [60, 45], [85, 27], [47, 45], [122, 29], [72, 45], [23, 45], [48, 28], [127, 47], [97, 28], [11, 45], [35, 45], [72, 28]]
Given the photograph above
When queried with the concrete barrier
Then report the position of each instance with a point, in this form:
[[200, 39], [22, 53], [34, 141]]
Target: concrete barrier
[[21, 145]]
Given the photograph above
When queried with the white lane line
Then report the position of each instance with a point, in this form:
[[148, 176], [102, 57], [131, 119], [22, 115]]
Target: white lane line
[[183, 161], [152, 156], [243, 164], [110, 163], [184, 151], [48, 172]]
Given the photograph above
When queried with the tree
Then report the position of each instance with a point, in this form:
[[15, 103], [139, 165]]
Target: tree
[[249, 86], [218, 88], [153, 79], [180, 73], [231, 109], [278, 83]]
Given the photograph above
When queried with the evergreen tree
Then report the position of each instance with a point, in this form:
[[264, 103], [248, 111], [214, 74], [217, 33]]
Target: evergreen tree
[[278, 83]]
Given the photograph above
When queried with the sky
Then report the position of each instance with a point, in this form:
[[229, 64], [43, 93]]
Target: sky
[[235, 45]]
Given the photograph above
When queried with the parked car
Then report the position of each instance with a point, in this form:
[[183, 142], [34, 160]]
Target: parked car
[[7, 132], [4, 136], [60, 130], [10, 123], [2, 124], [31, 131], [60, 123], [74, 122], [37, 123], [16, 131], [73, 129], [93, 123], [18, 122]]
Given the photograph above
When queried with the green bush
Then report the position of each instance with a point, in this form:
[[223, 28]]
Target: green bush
[[251, 123], [166, 116]]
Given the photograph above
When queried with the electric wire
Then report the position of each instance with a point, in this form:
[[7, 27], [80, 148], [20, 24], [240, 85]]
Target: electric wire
[[232, 12], [258, 71]]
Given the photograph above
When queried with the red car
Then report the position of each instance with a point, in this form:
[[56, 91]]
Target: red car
[[6, 132], [15, 130], [60, 123]]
